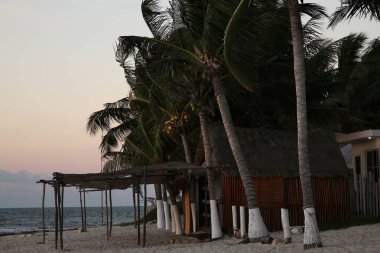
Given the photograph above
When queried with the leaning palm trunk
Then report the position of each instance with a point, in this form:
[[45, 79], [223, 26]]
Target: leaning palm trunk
[[160, 207], [216, 231], [186, 148], [191, 182], [257, 230], [311, 236]]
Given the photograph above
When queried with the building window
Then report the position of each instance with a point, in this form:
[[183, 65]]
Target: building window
[[373, 163], [357, 165]]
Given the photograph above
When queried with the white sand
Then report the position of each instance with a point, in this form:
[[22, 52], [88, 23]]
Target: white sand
[[124, 239]]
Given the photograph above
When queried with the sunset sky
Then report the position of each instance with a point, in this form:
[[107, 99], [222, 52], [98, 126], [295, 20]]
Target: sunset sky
[[57, 67]]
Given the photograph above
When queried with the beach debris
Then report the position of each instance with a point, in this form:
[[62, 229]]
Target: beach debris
[[237, 234], [183, 240], [81, 230], [26, 235], [266, 240], [277, 241], [297, 230]]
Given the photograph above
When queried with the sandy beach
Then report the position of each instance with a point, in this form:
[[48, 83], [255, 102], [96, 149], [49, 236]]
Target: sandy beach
[[124, 239]]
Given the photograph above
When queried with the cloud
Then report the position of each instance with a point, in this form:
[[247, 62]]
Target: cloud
[[19, 189], [20, 176]]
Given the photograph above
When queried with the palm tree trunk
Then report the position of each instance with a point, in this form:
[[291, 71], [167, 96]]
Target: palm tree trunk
[[311, 236], [186, 148], [200, 152], [175, 212], [216, 231], [160, 207], [257, 230]]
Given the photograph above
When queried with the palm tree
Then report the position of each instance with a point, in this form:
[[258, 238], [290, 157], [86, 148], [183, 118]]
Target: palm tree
[[311, 236], [205, 22], [355, 92]]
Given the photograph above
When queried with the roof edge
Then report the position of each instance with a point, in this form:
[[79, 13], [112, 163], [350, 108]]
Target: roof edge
[[358, 136]]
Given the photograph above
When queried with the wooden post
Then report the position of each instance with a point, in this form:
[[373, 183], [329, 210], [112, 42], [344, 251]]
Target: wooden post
[[110, 192], [61, 232], [107, 214], [138, 212], [144, 231], [134, 204], [59, 215], [101, 200], [56, 215], [81, 207], [43, 212], [85, 209]]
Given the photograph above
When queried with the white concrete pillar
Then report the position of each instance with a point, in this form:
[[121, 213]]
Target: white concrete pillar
[[286, 225], [242, 222]]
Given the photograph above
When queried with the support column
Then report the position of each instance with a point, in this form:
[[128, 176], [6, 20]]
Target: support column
[[43, 212], [145, 212]]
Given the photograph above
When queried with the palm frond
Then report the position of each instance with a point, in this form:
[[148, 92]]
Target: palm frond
[[314, 11], [252, 40], [157, 19], [148, 46], [356, 8], [117, 112]]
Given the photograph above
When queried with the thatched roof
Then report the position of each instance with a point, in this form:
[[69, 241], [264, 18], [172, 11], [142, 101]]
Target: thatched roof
[[123, 179], [274, 152]]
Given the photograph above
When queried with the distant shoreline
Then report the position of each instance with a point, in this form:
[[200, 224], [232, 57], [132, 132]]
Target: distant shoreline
[[15, 221]]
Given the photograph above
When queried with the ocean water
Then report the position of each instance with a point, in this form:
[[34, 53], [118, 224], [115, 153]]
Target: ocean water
[[21, 220]]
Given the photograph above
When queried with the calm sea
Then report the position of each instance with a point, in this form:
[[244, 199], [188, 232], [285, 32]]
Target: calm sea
[[19, 220]]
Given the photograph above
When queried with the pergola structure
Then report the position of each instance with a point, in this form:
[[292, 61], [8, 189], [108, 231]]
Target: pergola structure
[[121, 179]]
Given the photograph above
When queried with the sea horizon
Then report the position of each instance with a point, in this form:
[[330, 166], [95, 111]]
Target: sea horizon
[[29, 219]]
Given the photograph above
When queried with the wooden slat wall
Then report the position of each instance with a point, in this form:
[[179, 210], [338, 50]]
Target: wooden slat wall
[[331, 198], [269, 192], [186, 210], [232, 194]]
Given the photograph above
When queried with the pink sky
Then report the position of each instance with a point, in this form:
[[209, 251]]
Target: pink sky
[[57, 67]]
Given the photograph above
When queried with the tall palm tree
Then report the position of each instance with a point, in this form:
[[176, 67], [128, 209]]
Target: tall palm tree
[[311, 236], [252, 21]]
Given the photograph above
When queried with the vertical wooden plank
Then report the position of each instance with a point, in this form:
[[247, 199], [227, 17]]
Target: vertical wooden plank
[[43, 212], [102, 205], [138, 212], [145, 212], [111, 214], [81, 207], [56, 215], [107, 219], [85, 209], [61, 232]]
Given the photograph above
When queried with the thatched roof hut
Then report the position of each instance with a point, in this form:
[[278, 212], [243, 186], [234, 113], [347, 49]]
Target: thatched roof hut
[[272, 157], [274, 153]]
